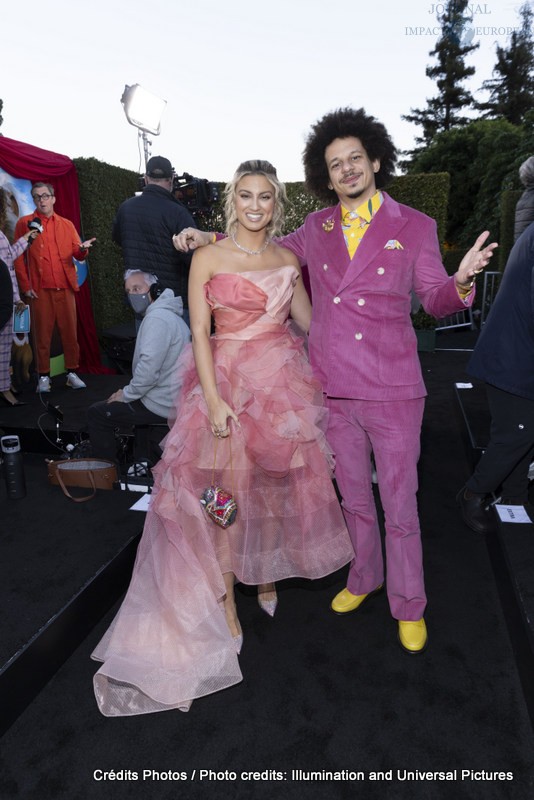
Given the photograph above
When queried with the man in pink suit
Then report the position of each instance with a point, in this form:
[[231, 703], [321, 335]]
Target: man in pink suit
[[365, 256]]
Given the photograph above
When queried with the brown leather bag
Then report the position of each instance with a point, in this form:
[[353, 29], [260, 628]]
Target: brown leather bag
[[87, 473]]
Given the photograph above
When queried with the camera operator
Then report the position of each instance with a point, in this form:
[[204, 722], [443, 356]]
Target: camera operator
[[144, 227]]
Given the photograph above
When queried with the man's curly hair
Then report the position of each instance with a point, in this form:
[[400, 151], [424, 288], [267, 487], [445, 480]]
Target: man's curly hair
[[341, 124]]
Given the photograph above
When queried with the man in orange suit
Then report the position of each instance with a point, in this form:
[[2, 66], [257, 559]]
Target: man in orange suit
[[47, 278]]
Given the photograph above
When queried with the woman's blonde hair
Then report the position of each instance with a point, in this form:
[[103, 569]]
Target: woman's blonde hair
[[255, 167]]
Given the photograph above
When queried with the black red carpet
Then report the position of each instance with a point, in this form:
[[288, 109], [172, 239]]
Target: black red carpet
[[329, 707]]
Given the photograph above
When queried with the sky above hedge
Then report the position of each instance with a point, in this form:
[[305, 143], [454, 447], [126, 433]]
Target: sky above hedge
[[241, 80]]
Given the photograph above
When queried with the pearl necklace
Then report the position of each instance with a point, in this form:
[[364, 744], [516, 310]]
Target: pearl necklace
[[262, 249]]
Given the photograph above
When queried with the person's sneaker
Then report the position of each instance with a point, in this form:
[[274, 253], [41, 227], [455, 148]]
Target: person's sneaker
[[43, 384], [74, 382]]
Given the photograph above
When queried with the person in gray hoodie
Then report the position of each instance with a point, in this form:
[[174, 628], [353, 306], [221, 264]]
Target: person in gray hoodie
[[151, 394]]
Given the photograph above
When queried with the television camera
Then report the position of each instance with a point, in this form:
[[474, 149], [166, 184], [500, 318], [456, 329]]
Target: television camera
[[198, 195]]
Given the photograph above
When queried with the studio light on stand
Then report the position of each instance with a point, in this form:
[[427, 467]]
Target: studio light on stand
[[144, 111]]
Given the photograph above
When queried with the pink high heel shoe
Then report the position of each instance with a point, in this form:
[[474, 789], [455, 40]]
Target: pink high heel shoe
[[238, 639], [238, 642], [269, 606]]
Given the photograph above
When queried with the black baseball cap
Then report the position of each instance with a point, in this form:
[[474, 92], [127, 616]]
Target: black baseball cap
[[159, 167]]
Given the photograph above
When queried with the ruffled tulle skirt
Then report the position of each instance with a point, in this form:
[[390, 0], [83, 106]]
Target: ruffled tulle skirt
[[169, 643]]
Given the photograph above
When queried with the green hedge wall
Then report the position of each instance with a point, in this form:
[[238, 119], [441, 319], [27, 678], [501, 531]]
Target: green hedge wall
[[103, 188], [427, 193]]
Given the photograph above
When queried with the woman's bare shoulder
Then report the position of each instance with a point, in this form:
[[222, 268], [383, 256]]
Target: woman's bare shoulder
[[210, 254], [287, 257]]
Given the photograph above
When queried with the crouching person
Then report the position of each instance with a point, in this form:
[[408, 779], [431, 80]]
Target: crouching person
[[151, 393]]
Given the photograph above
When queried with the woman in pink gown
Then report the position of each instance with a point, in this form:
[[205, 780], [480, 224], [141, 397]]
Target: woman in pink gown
[[249, 418]]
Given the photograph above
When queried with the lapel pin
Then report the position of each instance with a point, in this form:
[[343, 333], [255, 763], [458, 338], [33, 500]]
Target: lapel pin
[[328, 225]]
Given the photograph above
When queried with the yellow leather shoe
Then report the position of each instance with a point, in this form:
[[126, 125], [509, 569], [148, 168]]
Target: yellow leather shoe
[[413, 637], [345, 601]]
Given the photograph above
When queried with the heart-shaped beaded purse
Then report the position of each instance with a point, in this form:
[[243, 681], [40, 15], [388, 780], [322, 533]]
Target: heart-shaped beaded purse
[[218, 503]]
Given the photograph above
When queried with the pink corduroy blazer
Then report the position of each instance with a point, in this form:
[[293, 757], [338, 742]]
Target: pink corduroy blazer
[[362, 341]]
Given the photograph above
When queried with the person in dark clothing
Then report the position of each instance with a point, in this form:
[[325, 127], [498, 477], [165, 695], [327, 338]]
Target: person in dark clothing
[[6, 295], [524, 210], [144, 226], [504, 359]]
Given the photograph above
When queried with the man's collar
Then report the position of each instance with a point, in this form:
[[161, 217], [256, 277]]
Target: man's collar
[[365, 210]]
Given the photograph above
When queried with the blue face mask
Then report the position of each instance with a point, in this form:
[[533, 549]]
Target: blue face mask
[[139, 302]]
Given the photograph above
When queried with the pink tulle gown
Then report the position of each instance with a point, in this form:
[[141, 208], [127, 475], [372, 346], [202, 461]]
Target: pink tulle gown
[[169, 642]]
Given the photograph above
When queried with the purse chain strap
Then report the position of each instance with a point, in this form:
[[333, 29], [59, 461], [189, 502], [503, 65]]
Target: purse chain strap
[[229, 437]]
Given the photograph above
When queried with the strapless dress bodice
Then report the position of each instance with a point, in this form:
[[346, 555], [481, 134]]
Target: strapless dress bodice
[[248, 304]]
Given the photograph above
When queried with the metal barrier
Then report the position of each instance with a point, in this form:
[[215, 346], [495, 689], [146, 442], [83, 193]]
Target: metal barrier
[[464, 318], [460, 319], [492, 281]]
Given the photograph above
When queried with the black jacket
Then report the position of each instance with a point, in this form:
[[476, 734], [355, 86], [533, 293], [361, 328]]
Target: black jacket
[[144, 226], [504, 353]]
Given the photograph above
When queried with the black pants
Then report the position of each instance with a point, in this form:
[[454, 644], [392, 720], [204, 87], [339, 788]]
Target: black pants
[[104, 418], [506, 460]]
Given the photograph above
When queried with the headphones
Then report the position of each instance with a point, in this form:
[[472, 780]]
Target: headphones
[[156, 289]]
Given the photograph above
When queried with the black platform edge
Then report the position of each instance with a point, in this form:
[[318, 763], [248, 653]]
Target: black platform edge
[[30, 669], [519, 631]]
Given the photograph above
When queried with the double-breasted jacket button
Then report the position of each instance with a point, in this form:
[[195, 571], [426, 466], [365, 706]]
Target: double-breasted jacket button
[[325, 267], [337, 300], [381, 270], [361, 301], [358, 336]]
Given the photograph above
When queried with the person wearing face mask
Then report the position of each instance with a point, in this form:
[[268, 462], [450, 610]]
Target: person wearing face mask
[[151, 393]]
